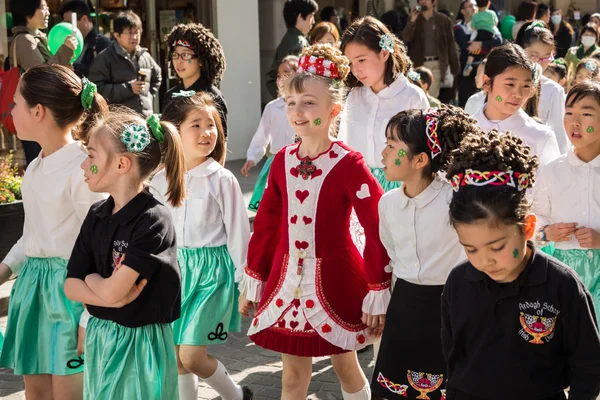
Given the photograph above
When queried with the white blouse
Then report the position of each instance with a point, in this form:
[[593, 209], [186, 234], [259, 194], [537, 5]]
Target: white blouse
[[475, 103], [213, 213], [366, 115], [538, 136], [416, 232], [552, 111], [56, 200], [567, 190], [274, 129]]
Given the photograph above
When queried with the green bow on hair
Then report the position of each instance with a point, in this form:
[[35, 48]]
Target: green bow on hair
[[184, 93], [156, 129], [87, 94], [536, 24]]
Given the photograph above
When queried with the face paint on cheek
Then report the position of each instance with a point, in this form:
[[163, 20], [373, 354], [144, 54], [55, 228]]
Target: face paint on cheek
[[189, 61], [94, 169], [317, 121], [401, 153], [515, 253], [590, 129], [499, 99]]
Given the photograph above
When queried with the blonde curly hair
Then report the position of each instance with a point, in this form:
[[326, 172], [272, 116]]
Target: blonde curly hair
[[337, 87]]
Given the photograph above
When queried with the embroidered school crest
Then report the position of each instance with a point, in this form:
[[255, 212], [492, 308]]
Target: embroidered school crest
[[424, 383], [391, 386], [537, 326], [118, 254]]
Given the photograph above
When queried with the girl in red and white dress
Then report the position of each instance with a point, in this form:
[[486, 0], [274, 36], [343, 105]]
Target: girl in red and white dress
[[315, 295]]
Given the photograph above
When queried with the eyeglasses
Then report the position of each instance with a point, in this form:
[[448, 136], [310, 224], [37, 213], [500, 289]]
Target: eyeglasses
[[183, 56], [550, 58]]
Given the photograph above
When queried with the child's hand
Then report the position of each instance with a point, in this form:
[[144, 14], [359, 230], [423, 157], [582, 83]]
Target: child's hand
[[247, 167], [560, 232], [588, 238], [133, 294], [373, 321], [245, 306], [80, 340], [5, 273]]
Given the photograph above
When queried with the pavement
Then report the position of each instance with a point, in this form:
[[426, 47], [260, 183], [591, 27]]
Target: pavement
[[248, 364]]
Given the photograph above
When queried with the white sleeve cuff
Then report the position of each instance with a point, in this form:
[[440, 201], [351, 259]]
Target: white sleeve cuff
[[83, 320], [376, 302], [251, 288]]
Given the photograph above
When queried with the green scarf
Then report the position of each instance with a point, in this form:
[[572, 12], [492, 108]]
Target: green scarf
[[581, 54]]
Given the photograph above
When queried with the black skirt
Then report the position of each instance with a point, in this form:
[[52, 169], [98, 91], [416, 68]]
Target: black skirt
[[410, 364]]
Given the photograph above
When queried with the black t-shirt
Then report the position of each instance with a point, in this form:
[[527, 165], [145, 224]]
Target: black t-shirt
[[202, 86], [527, 339], [140, 235]]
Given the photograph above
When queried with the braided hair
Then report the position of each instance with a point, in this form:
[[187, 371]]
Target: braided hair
[[205, 45], [410, 127], [498, 204]]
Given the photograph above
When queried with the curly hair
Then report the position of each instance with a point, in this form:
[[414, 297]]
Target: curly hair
[[180, 108], [499, 205], [453, 125], [205, 45], [368, 32], [583, 64]]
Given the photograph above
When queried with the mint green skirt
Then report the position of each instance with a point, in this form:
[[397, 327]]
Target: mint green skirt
[[260, 185], [209, 297], [586, 263], [41, 333], [385, 184], [129, 363]]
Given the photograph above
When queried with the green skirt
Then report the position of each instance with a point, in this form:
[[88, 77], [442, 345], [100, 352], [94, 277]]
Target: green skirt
[[259, 186], [586, 263], [209, 297], [129, 363], [41, 333], [385, 184]]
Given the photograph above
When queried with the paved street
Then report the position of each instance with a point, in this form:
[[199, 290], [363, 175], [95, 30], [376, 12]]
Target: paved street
[[248, 364]]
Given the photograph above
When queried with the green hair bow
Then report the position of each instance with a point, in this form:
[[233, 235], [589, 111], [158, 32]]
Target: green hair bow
[[156, 129], [87, 94]]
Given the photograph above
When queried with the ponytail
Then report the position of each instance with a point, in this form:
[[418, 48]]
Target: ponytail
[[91, 118], [172, 154]]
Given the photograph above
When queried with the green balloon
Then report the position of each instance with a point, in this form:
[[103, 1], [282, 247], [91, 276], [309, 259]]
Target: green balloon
[[7, 21], [506, 27], [59, 33]]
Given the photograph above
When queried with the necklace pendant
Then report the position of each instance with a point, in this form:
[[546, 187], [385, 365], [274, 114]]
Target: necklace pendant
[[306, 168]]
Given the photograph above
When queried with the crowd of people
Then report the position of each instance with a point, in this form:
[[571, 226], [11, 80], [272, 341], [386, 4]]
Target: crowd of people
[[464, 244]]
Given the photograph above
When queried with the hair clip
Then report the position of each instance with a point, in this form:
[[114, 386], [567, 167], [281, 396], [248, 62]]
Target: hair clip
[[87, 93], [319, 66], [387, 43], [135, 137], [431, 123], [184, 93], [337, 83], [591, 66], [493, 178], [413, 75], [560, 61], [156, 129], [536, 24]]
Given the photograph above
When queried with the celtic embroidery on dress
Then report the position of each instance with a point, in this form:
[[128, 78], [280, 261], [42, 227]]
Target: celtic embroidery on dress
[[135, 137], [494, 178]]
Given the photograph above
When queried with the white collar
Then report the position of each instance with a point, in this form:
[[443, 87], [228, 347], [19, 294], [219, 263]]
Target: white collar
[[512, 123], [205, 169], [388, 92], [423, 198], [59, 158], [279, 102], [578, 162]]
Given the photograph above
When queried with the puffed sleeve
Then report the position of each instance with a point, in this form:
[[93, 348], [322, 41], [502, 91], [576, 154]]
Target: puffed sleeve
[[541, 204], [261, 139], [267, 227], [364, 192]]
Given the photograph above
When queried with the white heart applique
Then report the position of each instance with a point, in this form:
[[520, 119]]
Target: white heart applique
[[364, 192]]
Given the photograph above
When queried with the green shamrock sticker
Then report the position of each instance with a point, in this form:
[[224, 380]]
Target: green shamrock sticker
[[317, 121], [94, 169]]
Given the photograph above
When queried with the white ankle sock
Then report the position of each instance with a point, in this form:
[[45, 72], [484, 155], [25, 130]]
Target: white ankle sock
[[221, 381], [362, 394], [188, 387]]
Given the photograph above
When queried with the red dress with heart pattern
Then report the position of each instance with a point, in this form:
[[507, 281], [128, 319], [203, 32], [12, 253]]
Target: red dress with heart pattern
[[303, 268]]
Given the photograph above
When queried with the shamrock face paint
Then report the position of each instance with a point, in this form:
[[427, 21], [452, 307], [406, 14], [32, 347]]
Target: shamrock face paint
[[590, 129], [317, 121], [94, 169], [515, 253], [499, 99], [401, 153]]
